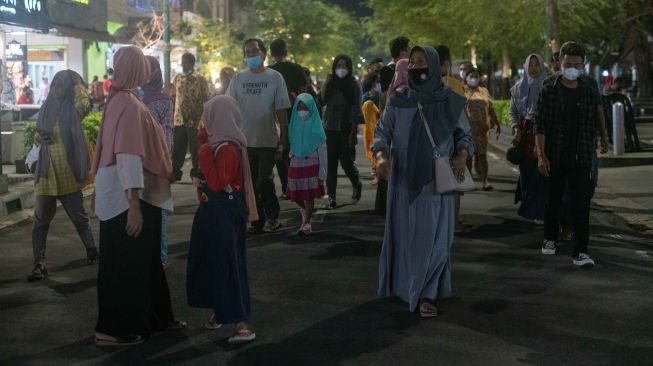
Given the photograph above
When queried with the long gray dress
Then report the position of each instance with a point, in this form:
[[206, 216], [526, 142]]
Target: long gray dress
[[415, 260]]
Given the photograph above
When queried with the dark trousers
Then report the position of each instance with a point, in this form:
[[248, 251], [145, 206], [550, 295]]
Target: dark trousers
[[132, 289], [44, 209], [261, 163], [184, 139], [339, 150], [282, 169], [578, 179]]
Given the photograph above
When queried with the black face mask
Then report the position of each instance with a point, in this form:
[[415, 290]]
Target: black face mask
[[418, 75]]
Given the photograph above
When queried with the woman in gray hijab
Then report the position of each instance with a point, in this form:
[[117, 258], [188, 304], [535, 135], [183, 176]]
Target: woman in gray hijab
[[415, 261]]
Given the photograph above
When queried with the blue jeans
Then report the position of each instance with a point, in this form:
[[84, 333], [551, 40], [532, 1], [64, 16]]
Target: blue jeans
[[164, 236]]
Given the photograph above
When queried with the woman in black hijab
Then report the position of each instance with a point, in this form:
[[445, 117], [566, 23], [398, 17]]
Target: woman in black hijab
[[341, 94], [415, 261]]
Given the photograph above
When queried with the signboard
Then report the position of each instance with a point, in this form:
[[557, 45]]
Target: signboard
[[46, 55], [28, 13], [15, 51]]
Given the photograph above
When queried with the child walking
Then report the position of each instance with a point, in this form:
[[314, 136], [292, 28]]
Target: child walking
[[217, 265], [308, 155]]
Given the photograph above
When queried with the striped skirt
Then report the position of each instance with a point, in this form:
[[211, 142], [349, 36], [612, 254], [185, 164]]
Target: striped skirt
[[303, 178]]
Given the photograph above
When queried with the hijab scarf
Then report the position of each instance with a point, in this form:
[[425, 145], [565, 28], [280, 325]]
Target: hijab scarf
[[127, 126], [442, 108], [344, 85], [400, 78], [527, 89], [222, 120], [306, 135], [153, 88], [62, 110]]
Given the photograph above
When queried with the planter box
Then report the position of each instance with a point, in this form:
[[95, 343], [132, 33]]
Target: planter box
[[20, 167]]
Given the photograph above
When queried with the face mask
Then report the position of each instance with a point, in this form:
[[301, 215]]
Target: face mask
[[571, 73], [473, 82], [341, 73], [377, 88], [462, 74], [418, 75], [254, 62], [304, 114], [110, 77]]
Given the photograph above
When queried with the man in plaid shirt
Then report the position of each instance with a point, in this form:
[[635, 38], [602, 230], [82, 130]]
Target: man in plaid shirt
[[569, 113]]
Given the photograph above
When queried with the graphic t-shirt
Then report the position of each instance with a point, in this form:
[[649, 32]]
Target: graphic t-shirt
[[259, 97]]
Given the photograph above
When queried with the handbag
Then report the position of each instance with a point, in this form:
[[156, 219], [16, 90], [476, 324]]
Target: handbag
[[445, 180]]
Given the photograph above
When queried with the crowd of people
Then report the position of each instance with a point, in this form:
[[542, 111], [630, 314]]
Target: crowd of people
[[420, 126]]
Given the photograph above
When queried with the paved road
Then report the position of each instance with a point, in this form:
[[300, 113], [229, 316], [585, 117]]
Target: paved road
[[314, 299]]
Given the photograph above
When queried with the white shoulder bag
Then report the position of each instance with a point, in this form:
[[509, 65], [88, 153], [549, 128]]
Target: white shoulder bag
[[445, 180]]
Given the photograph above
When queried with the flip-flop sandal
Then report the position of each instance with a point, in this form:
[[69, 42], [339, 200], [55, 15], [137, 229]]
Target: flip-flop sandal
[[242, 336], [106, 340], [427, 310], [177, 324]]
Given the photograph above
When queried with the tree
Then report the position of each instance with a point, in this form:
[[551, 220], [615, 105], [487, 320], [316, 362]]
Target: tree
[[314, 31], [216, 47]]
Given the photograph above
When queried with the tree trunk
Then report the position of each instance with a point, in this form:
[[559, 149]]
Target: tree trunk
[[637, 40]]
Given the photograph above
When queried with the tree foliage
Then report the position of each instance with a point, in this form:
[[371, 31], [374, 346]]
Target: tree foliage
[[314, 30]]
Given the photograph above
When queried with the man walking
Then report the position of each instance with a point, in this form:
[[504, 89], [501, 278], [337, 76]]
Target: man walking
[[293, 75], [191, 91], [566, 126], [262, 96]]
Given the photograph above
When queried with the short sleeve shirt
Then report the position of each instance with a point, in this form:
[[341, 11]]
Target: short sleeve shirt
[[260, 96]]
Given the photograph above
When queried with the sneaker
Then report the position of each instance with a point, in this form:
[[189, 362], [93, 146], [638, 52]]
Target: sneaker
[[38, 273], [242, 336], [583, 260], [332, 203], [283, 196], [212, 323], [549, 247], [356, 195], [306, 230], [275, 224]]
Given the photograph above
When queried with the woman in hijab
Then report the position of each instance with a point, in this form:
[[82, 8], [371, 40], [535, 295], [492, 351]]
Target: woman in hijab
[[217, 265], [415, 261], [63, 165], [132, 185], [341, 94], [308, 163], [523, 109], [160, 104]]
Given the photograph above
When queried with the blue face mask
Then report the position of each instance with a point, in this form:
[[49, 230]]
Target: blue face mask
[[254, 62], [140, 92]]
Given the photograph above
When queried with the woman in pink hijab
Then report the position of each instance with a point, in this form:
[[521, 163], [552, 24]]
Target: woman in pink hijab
[[132, 173], [217, 266], [399, 82]]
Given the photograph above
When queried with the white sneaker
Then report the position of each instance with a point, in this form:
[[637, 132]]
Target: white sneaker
[[583, 260], [549, 247], [306, 230]]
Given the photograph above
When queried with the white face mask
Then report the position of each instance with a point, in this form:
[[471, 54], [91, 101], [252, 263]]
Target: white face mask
[[342, 73], [377, 88], [571, 73], [304, 114], [462, 74], [473, 82]]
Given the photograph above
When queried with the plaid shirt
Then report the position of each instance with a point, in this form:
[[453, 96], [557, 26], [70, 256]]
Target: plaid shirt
[[550, 120]]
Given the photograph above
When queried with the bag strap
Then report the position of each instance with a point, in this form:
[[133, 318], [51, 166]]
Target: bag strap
[[426, 126]]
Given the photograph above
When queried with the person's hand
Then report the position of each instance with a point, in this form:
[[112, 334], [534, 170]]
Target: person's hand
[[382, 168], [543, 165], [516, 137], [134, 221], [353, 138], [604, 146], [196, 182], [458, 164]]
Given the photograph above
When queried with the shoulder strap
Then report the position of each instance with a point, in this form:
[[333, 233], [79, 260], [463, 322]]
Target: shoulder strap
[[426, 125]]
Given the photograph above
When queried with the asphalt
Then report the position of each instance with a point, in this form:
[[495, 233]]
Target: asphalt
[[315, 303]]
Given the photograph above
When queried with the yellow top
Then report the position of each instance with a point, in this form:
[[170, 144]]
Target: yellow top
[[455, 84]]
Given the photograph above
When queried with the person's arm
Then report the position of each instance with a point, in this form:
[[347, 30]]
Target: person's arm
[[543, 164], [494, 121], [383, 134], [130, 174], [463, 146], [513, 115], [282, 104], [540, 122], [323, 90], [356, 113], [603, 132], [322, 156]]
